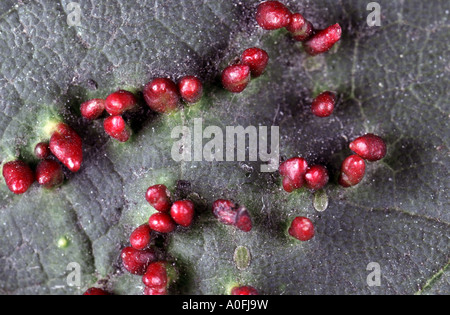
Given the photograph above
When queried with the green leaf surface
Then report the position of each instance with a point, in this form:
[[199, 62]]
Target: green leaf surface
[[392, 80]]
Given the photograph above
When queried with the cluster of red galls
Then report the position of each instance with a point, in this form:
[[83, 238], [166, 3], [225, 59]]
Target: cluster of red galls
[[235, 78], [296, 173], [65, 145], [157, 276], [273, 15], [371, 148], [141, 259], [253, 62], [162, 95]]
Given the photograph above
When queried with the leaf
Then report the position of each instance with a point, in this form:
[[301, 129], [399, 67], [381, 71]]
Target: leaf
[[391, 80]]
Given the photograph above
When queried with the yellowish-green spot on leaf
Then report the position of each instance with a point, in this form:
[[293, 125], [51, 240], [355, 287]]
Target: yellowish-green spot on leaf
[[242, 257], [320, 200], [63, 242]]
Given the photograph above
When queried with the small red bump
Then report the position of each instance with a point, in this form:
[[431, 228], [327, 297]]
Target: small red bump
[[42, 151], [18, 176], [155, 291], [316, 177], [293, 171], [162, 95], [225, 211], [352, 171], [257, 59], [247, 290], [323, 40], [191, 89], [300, 28], [236, 78], [137, 261], [158, 197], [302, 229], [370, 147], [162, 223], [306, 32], [95, 291], [230, 213], [296, 24], [119, 102], [156, 276], [49, 174], [182, 212], [243, 220], [93, 109], [323, 105], [116, 127], [272, 15], [141, 237], [67, 146], [289, 186]]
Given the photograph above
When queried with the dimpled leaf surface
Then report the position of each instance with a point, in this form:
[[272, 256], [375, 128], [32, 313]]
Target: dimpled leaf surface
[[391, 80]]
